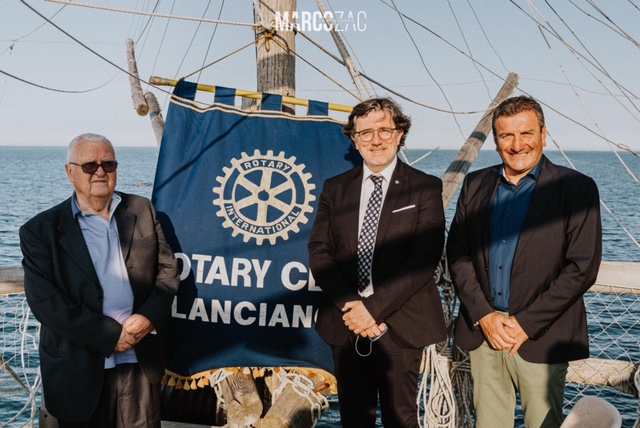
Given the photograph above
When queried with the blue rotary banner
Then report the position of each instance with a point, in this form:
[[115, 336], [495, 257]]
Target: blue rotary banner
[[236, 193]]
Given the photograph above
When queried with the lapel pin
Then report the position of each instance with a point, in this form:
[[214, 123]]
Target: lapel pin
[[397, 181]]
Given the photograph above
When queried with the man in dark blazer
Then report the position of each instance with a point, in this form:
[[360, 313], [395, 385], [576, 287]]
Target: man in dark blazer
[[377, 329], [524, 246], [100, 278]]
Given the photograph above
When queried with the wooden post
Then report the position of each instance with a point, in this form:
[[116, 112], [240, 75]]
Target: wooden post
[[155, 114], [275, 51], [452, 178], [134, 80], [12, 280], [292, 409], [46, 420], [243, 403], [597, 371]]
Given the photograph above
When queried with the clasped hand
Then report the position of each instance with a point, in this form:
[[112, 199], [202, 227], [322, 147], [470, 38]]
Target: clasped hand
[[358, 319], [134, 329], [503, 332]]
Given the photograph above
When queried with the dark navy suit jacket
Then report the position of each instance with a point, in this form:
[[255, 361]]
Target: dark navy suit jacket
[[556, 262], [409, 244], [64, 293]]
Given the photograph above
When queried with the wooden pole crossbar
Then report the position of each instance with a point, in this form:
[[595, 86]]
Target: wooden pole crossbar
[[161, 81]]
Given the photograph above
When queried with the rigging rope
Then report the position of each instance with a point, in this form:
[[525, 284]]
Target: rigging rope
[[215, 30], [601, 67], [54, 89], [460, 51], [335, 82], [568, 46], [354, 54], [66, 2], [617, 30], [577, 94], [195, 33], [475, 15], [261, 21], [46, 87], [404, 25], [604, 205], [220, 59], [152, 14], [360, 85], [466, 43], [82, 44], [370, 79], [148, 23], [40, 26], [620, 146]]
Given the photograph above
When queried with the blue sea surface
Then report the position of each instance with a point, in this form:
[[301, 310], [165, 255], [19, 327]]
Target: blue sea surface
[[33, 179]]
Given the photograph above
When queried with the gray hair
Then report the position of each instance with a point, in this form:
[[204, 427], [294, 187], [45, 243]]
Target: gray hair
[[88, 136]]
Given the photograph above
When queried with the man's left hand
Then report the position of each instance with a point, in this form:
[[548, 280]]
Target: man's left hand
[[518, 334], [356, 317], [138, 326]]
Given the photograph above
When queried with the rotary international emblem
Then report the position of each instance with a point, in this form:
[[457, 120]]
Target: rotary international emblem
[[264, 197]]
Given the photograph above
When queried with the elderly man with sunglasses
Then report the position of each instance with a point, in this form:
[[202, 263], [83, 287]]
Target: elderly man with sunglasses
[[100, 277]]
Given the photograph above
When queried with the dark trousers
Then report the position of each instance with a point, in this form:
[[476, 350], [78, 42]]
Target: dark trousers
[[389, 374], [127, 400]]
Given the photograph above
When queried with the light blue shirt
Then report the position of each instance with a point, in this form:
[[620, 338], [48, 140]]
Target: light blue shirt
[[103, 242]]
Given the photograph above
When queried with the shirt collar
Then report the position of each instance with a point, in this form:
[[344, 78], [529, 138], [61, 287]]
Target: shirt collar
[[385, 173], [75, 209], [534, 173]]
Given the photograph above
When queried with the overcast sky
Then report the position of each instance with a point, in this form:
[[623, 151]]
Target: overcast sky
[[583, 65]]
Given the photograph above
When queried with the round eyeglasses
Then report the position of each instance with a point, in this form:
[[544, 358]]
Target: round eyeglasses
[[92, 167], [383, 133]]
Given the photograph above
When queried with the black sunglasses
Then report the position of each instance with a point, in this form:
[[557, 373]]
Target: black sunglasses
[[92, 167]]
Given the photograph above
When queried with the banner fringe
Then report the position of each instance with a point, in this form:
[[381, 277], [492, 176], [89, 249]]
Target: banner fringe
[[201, 380]]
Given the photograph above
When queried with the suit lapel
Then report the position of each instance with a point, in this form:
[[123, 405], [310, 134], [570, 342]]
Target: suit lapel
[[125, 222], [485, 196], [72, 241], [397, 186], [352, 199], [542, 195]]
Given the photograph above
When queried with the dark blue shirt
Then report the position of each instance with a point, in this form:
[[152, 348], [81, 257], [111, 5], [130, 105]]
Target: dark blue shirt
[[508, 212]]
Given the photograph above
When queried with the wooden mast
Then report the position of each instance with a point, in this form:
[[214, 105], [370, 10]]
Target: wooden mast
[[452, 178], [275, 49]]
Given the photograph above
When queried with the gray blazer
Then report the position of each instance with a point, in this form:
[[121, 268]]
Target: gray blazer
[[63, 292], [556, 261]]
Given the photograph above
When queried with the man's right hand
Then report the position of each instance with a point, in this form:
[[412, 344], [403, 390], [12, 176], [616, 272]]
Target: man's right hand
[[493, 327], [126, 342], [374, 331]]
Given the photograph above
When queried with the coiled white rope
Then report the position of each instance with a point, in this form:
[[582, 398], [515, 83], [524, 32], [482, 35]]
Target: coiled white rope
[[435, 392]]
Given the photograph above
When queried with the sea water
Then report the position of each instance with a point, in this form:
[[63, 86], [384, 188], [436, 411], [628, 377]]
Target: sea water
[[33, 179]]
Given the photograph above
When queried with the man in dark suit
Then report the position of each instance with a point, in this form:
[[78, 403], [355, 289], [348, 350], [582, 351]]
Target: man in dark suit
[[524, 246], [380, 315], [100, 278]]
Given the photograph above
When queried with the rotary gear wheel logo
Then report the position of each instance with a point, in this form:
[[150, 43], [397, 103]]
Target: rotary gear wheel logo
[[264, 196]]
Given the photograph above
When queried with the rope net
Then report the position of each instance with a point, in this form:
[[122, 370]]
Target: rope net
[[613, 317], [19, 374], [445, 394]]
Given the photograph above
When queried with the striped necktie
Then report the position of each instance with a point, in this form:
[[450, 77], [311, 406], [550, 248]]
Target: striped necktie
[[368, 233]]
